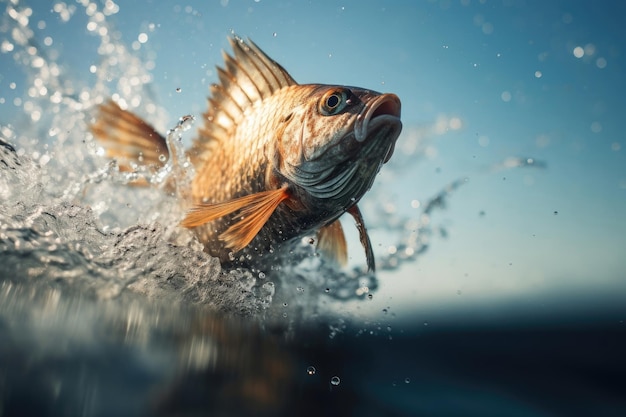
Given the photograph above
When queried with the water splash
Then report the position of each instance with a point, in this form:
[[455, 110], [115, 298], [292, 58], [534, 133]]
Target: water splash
[[65, 211]]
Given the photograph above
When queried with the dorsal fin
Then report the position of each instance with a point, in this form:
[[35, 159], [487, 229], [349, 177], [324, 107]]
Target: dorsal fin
[[248, 77]]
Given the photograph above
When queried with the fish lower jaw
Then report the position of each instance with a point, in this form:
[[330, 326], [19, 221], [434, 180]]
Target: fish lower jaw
[[384, 109]]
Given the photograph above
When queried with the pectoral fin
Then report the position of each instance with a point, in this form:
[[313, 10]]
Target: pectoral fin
[[365, 239], [128, 138], [254, 211], [331, 241]]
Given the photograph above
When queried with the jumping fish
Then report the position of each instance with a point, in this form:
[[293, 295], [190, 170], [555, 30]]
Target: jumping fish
[[275, 160]]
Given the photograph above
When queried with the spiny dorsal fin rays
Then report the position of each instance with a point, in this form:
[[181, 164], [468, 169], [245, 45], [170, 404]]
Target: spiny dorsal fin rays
[[256, 209], [127, 137], [266, 73], [363, 237], [222, 105], [249, 77], [281, 75], [259, 74], [249, 91], [331, 241]]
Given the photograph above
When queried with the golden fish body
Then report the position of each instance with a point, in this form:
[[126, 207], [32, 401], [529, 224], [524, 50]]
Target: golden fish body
[[275, 160]]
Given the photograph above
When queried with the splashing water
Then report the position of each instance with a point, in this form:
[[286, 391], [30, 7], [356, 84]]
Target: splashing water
[[67, 220]]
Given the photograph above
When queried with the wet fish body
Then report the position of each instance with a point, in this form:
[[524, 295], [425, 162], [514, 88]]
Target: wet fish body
[[275, 160]]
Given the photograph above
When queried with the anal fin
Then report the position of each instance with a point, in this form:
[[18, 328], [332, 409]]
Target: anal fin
[[331, 241]]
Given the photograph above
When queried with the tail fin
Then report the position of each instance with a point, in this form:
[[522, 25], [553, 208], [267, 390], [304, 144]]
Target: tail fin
[[128, 138]]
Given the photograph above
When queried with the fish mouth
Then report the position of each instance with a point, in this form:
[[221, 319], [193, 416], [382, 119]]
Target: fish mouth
[[383, 109]]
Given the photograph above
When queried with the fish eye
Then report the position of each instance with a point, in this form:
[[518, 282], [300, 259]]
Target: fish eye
[[333, 102]]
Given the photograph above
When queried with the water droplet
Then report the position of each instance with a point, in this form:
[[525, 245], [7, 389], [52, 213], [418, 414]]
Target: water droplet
[[274, 34], [178, 90], [407, 380], [311, 370], [425, 323], [262, 275], [285, 304], [162, 158], [579, 52], [335, 380], [231, 256], [327, 290], [370, 296]]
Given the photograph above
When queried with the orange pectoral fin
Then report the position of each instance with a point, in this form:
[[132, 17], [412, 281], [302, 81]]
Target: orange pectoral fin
[[331, 241], [363, 237], [256, 209]]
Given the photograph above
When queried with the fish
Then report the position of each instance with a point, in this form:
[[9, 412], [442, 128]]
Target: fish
[[274, 160]]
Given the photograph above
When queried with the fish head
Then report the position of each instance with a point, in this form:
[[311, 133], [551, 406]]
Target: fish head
[[333, 151]]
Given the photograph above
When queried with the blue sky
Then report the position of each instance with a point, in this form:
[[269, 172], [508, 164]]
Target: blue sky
[[525, 79]]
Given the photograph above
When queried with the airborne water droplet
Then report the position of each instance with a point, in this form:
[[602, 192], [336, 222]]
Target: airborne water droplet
[[335, 380], [311, 370], [162, 158]]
